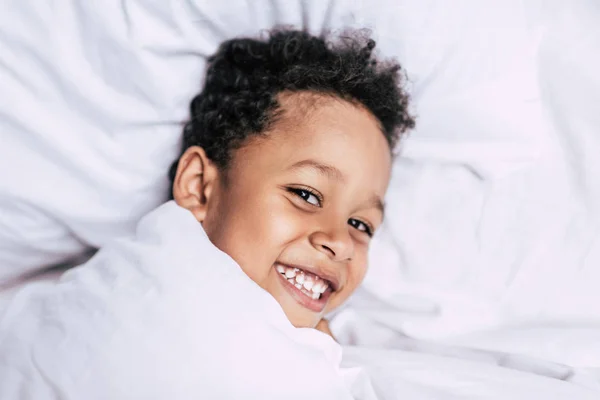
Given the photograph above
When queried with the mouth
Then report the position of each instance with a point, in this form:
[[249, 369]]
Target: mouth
[[307, 288]]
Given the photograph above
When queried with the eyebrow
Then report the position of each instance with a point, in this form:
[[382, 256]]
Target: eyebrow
[[328, 171], [377, 203], [334, 173]]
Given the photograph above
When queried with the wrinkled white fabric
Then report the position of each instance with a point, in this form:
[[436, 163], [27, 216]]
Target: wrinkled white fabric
[[408, 375], [94, 96], [493, 236], [163, 315]]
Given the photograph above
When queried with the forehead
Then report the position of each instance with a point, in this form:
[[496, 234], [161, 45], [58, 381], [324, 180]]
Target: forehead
[[328, 130]]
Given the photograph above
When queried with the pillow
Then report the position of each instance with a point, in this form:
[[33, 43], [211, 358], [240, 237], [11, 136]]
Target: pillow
[[494, 206], [99, 93]]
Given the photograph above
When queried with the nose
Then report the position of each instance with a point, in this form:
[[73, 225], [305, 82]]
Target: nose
[[335, 242]]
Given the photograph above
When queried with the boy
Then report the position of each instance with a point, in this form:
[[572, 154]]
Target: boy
[[285, 163]]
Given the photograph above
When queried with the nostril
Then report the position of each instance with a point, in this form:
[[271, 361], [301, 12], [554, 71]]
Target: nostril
[[329, 249]]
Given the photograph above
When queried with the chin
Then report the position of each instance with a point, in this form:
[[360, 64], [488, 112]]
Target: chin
[[303, 321]]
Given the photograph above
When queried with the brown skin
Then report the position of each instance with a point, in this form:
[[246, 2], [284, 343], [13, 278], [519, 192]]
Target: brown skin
[[255, 214], [323, 326]]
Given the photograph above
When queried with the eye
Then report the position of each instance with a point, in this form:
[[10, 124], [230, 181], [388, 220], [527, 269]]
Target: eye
[[361, 226], [307, 195]]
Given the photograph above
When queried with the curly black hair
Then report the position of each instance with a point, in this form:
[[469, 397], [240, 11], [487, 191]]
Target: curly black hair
[[245, 77]]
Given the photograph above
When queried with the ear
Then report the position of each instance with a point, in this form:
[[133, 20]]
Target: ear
[[195, 181]]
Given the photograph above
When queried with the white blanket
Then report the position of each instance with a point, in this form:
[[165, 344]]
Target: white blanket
[[406, 375], [495, 221], [163, 315], [493, 211]]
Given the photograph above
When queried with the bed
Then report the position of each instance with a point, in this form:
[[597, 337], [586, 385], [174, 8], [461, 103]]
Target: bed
[[483, 282]]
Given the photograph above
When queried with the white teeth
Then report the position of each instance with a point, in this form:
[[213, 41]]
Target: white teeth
[[320, 287], [312, 286], [317, 287], [308, 284], [290, 273]]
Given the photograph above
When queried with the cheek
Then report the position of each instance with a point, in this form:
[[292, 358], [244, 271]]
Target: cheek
[[355, 275], [233, 227], [357, 272], [285, 223], [254, 230]]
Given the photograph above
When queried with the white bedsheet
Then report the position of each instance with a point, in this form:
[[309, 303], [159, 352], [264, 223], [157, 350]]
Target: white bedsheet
[[492, 238], [407, 375], [496, 235]]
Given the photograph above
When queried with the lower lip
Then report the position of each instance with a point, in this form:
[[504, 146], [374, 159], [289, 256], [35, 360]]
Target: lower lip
[[315, 305]]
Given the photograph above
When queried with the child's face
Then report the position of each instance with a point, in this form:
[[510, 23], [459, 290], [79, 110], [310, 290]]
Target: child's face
[[297, 205]]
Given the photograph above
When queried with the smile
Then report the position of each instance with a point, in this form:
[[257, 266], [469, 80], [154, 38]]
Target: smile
[[308, 289]]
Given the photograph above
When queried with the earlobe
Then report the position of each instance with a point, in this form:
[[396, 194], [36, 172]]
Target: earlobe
[[194, 180]]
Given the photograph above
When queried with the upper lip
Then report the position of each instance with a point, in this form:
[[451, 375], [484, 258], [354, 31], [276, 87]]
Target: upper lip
[[331, 278]]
